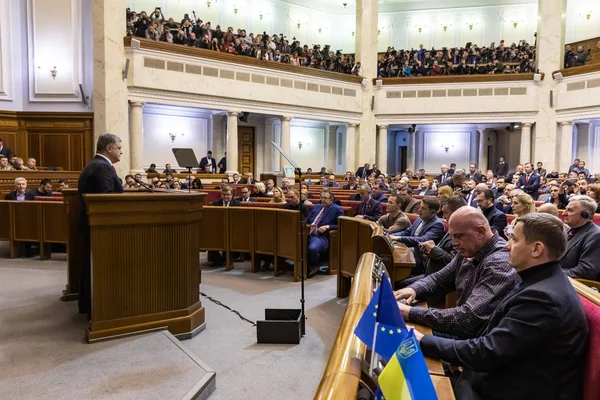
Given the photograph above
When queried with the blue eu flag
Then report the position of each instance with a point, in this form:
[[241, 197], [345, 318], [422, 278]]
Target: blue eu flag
[[382, 323]]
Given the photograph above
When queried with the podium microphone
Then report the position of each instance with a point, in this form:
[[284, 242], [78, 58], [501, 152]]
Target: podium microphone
[[146, 186]]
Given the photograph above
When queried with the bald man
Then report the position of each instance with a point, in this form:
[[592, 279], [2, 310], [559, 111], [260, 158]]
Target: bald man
[[480, 273], [548, 208]]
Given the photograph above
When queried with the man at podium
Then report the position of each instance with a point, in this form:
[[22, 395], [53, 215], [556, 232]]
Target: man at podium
[[98, 176]]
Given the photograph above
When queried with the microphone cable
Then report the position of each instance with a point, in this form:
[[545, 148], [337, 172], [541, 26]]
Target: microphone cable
[[217, 302]]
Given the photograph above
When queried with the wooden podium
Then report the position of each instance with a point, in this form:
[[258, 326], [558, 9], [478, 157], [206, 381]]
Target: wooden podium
[[145, 263]]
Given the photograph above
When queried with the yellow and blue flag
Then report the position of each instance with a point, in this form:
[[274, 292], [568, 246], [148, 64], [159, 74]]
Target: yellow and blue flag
[[382, 323], [405, 377]]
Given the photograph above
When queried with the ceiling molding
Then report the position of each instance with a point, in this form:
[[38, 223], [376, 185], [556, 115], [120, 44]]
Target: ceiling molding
[[463, 118]]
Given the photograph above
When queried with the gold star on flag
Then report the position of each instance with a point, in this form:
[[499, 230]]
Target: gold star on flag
[[374, 314], [376, 305], [382, 329], [399, 330], [391, 332]]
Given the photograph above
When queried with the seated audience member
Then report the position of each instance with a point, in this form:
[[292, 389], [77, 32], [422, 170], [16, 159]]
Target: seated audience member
[[452, 170], [395, 220], [248, 179], [443, 177], [259, 190], [20, 193], [474, 173], [443, 194], [19, 166], [236, 179], [420, 175], [197, 183], [581, 186], [456, 181], [294, 203], [278, 196], [322, 181], [169, 180], [322, 219], [218, 258], [347, 177], [483, 186], [45, 188], [375, 171], [156, 183], [286, 184], [176, 185], [529, 182], [583, 249], [169, 170], [469, 192], [351, 185], [224, 183], [331, 183], [378, 195], [427, 227], [368, 208], [409, 204], [553, 175], [4, 165], [130, 182], [500, 186], [489, 178], [522, 204], [517, 172], [544, 186], [245, 197], [62, 184], [304, 196], [548, 208], [495, 217], [323, 171], [269, 186], [535, 343], [363, 172], [593, 191], [480, 273], [152, 169], [424, 188], [31, 164]]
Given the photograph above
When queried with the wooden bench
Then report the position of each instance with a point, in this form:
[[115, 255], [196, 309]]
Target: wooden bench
[[347, 367]]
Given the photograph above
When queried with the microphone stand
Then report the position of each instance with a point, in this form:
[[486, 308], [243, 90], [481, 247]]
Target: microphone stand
[[302, 277], [146, 186]]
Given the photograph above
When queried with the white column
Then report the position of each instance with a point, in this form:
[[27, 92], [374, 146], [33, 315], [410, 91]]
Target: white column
[[382, 148], [285, 140], [366, 54], [549, 57], [483, 151], [111, 111], [565, 154], [136, 137], [411, 151], [526, 144], [351, 148], [232, 143]]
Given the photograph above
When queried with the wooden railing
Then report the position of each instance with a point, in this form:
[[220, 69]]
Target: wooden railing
[[428, 80], [585, 69], [147, 44]]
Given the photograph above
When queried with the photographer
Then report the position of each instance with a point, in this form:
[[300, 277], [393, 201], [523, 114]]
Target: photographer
[[157, 19], [580, 57], [141, 25]]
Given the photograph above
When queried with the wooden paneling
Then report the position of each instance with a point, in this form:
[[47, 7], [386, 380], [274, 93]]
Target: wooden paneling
[[27, 217], [428, 80], [54, 139], [246, 149], [55, 222], [586, 69], [7, 178], [264, 232], [240, 221], [5, 218], [213, 235]]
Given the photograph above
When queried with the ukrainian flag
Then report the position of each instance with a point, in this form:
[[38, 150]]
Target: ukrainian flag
[[405, 377]]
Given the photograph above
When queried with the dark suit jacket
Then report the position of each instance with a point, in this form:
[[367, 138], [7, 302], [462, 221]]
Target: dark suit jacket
[[300, 207], [371, 211], [232, 203], [330, 218], [583, 253], [429, 192], [223, 162], [497, 220], [534, 346], [250, 199], [361, 173], [540, 171], [532, 186], [244, 181], [440, 255], [5, 152], [98, 176], [501, 169], [431, 230], [440, 178], [476, 177], [204, 163], [13, 196], [412, 207]]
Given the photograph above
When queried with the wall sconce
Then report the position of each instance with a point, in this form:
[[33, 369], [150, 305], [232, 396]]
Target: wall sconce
[[320, 29], [446, 147], [208, 4], [260, 16], [588, 15], [470, 26], [515, 24], [352, 33], [300, 144], [379, 30], [298, 24], [235, 10], [54, 71], [420, 29], [173, 136], [446, 27]]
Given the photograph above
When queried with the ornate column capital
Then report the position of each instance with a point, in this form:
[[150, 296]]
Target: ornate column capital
[[352, 125], [565, 123], [527, 125], [231, 114], [136, 103], [382, 126], [285, 118]]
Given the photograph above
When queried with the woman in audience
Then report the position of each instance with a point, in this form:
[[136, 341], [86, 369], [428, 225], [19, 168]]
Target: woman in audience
[[197, 184], [558, 197], [443, 194], [522, 204], [278, 196], [593, 191], [260, 190]]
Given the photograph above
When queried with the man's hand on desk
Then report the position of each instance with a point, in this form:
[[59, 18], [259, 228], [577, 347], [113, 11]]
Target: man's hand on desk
[[322, 229], [407, 294], [418, 334], [404, 309], [359, 216]]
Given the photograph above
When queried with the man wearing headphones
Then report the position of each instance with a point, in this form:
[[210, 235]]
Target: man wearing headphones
[[583, 248]]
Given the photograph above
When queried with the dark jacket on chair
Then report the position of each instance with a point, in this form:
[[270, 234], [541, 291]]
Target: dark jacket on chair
[[534, 346], [583, 253]]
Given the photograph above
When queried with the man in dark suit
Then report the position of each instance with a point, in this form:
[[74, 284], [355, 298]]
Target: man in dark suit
[[443, 177], [210, 161], [529, 182], [248, 179], [470, 193], [411, 205], [496, 218], [368, 208], [456, 180], [540, 170], [223, 164], [98, 176], [535, 343], [294, 203], [427, 227], [20, 193], [45, 188], [473, 174], [518, 171], [5, 151], [245, 197], [501, 168], [226, 199], [363, 172], [583, 249], [322, 220]]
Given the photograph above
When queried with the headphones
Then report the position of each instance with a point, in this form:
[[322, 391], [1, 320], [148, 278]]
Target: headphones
[[585, 214]]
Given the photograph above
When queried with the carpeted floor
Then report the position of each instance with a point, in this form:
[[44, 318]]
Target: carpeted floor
[[43, 354]]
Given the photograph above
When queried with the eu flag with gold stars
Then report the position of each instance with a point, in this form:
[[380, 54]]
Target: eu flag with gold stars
[[382, 322]]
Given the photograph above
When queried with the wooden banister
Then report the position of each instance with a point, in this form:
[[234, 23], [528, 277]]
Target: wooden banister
[[429, 80]]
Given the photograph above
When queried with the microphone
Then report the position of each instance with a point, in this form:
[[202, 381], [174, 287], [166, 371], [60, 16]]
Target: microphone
[[146, 186]]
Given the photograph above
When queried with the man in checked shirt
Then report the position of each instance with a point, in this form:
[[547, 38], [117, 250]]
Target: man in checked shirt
[[480, 273]]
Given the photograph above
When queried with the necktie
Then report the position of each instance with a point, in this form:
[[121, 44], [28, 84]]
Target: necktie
[[526, 179], [317, 221], [419, 228], [227, 204]]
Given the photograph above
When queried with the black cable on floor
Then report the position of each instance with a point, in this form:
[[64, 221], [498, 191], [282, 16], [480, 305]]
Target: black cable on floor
[[217, 302]]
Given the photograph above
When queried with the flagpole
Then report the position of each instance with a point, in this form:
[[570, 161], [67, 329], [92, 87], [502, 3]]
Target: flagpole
[[373, 348]]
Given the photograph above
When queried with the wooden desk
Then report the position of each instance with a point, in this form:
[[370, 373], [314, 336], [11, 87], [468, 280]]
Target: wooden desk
[[434, 366], [404, 261], [443, 387]]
